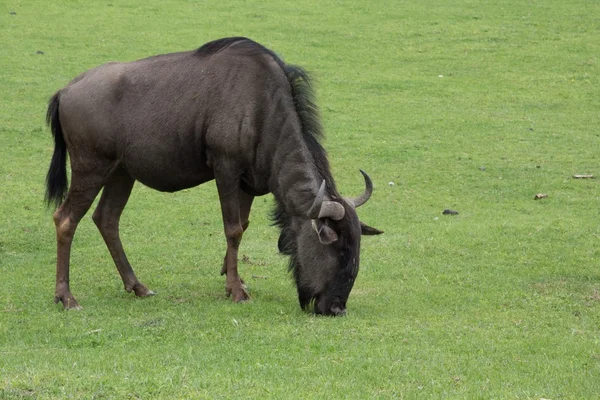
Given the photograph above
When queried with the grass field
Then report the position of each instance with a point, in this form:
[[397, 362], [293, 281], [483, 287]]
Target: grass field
[[468, 105]]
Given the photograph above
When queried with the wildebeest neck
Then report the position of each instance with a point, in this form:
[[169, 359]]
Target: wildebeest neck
[[300, 161], [297, 180]]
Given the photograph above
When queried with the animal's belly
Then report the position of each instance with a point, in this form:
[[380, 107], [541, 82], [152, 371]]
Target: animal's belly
[[173, 184], [169, 176]]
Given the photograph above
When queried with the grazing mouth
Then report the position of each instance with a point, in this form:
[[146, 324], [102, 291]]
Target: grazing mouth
[[332, 307], [321, 304]]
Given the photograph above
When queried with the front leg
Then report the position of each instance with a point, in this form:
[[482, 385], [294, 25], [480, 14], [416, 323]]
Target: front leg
[[245, 205], [230, 196]]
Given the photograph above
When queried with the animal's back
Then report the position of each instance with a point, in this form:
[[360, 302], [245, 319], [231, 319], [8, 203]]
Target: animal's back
[[166, 118]]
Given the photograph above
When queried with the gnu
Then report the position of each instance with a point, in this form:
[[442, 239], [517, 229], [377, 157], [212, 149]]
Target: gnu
[[230, 111]]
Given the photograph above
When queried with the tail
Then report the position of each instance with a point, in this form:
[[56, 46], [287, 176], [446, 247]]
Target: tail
[[56, 179]]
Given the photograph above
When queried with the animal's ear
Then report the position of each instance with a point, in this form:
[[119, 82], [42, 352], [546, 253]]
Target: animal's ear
[[325, 233], [367, 230]]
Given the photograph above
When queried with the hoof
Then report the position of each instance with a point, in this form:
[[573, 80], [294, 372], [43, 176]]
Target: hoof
[[68, 302], [241, 299], [141, 290], [238, 295]]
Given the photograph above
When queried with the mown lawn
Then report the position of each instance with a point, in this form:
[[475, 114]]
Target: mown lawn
[[472, 106]]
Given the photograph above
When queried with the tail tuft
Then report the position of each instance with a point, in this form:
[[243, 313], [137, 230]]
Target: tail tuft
[[56, 179]]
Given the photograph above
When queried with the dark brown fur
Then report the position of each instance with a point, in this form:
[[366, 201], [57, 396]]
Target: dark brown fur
[[230, 111]]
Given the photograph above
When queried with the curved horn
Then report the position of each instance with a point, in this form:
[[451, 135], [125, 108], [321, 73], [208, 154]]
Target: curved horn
[[333, 210], [362, 199], [325, 208], [315, 209]]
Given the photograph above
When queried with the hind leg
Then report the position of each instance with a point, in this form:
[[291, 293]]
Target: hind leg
[[106, 217], [84, 189]]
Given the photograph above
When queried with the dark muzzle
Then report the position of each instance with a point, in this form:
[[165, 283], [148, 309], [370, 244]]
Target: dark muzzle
[[332, 307]]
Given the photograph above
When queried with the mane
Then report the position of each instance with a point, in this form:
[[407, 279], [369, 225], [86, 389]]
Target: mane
[[215, 46], [310, 121], [312, 132], [243, 46]]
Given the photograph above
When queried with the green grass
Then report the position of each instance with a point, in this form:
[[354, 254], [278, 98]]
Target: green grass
[[474, 106]]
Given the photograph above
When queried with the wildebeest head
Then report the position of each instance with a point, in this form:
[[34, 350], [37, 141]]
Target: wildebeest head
[[325, 250]]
